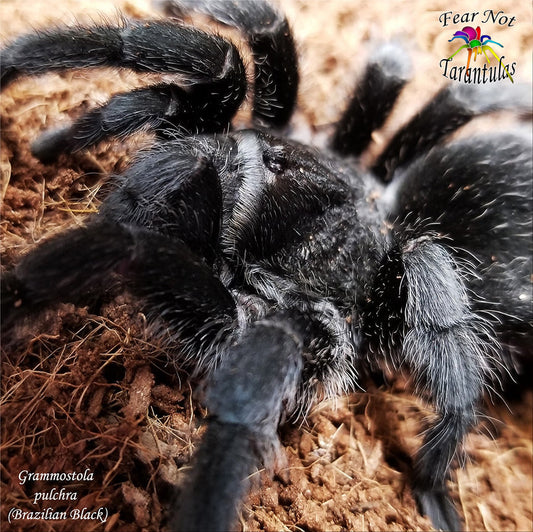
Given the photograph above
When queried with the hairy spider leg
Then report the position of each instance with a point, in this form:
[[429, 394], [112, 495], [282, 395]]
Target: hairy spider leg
[[247, 397], [213, 75], [170, 198], [455, 340], [445, 347], [427, 313], [373, 99], [273, 50], [491, 239], [174, 283], [452, 107]]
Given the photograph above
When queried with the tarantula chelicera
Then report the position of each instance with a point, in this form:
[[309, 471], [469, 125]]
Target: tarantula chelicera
[[283, 272]]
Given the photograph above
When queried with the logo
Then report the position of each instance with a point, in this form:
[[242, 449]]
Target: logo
[[476, 44]]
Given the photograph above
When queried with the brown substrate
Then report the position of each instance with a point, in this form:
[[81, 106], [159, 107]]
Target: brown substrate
[[92, 391]]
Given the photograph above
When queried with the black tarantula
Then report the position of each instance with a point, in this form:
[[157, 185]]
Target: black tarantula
[[282, 272]]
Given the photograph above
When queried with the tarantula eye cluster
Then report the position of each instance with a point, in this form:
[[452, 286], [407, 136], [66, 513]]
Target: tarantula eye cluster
[[281, 272], [276, 159]]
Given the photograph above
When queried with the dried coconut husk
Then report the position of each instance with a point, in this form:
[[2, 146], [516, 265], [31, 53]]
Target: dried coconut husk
[[89, 389]]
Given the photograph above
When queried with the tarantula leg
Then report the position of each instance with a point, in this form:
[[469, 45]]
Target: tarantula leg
[[247, 396], [62, 269], [447, 347], [273, 50], [467, 175], [165, 108], [77, 265], [384, 78], [452, 107], [212, 71]]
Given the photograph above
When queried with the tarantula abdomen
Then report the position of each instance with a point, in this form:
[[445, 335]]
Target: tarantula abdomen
[[277, 273]]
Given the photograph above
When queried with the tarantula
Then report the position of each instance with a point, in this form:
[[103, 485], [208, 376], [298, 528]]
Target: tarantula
[[282, 272]]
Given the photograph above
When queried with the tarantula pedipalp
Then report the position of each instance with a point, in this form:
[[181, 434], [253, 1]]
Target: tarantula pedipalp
[[275, 275]]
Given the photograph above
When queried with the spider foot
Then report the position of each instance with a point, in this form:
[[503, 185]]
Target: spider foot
[[49, 146], [436, 503]]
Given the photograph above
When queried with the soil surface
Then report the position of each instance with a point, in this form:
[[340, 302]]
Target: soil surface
[[89, 390]]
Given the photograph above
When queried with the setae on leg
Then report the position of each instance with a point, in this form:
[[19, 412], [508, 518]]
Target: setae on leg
[[247, 396], [452, 107], [420, 318], [211, 69], [446, 347], [383, 80], [173, 283], [273, 50]]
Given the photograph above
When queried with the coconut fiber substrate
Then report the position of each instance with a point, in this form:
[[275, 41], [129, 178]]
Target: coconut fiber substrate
[[87, 390]]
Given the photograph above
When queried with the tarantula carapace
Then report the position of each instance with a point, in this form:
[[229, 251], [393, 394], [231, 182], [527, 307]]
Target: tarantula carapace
[[281, 272]]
